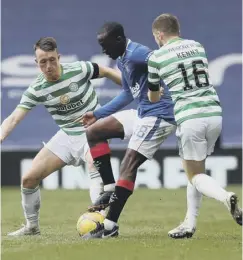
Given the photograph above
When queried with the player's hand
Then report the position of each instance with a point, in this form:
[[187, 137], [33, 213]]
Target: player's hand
[[87, 119], [155, 96]]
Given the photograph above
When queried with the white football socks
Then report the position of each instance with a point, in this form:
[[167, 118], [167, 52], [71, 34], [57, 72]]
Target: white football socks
[[31, 200], [96, 185], [110, 187], [194, 199], [209, 187], [109, 225]]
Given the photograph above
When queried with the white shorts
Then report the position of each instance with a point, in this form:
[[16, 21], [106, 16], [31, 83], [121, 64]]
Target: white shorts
[[148, 134], [197, 137], [69, 148], [127, 118]]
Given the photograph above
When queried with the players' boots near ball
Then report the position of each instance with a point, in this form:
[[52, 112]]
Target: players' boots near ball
[[101, 231], [31, 197], [102, 202]]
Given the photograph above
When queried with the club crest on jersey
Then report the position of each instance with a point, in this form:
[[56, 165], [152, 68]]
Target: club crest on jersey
[[64, 99], [73, 87]]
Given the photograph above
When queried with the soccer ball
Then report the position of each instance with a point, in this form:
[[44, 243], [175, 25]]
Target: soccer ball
[[88, 222]]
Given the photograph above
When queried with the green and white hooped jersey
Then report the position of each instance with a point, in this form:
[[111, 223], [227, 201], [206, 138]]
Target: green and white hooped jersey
[[183, 66], [65, 99]]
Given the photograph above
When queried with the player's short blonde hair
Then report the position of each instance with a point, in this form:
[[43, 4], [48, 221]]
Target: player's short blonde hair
[[166, 23]]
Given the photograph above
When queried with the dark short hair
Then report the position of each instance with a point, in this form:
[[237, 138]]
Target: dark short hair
[[46, 44], [112, 28], [167, 23]]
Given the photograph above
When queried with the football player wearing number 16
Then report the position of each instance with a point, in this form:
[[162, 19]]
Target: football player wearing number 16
[[183, 66]]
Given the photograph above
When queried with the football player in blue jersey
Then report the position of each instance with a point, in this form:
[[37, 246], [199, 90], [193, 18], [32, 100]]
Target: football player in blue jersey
[[148, 127]]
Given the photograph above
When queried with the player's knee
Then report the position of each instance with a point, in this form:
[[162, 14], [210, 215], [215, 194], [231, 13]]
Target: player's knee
[[30, 181], [193, 168], [92, 135]]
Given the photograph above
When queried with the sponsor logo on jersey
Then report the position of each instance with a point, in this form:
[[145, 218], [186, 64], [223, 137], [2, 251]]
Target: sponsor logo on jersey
[[73, 87], [64, 99], [71, 106]]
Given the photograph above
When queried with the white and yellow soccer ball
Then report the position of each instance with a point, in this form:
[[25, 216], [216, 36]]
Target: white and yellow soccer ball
[[88, 222]]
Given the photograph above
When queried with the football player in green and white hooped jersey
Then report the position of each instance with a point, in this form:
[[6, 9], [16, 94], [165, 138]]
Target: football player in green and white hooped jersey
[[67, 93], [183, 66]]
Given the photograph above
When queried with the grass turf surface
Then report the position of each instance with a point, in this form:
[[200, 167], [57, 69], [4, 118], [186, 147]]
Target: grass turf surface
[[144, 224]]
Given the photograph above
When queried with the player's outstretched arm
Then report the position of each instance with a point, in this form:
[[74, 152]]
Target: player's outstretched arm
[[111, 74], [117, 103], [11, 121]]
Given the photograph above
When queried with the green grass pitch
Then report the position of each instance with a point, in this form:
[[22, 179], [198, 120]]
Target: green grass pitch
[[144, 224]]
